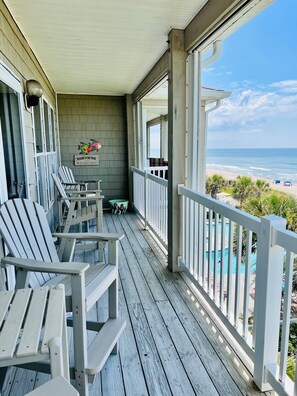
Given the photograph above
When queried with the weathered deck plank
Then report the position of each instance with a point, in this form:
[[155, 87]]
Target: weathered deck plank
[[167, 347]]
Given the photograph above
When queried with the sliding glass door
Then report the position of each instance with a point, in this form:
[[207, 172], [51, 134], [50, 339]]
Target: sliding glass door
[[12, 169]]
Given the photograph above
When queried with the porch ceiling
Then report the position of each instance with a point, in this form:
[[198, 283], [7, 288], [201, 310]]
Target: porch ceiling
[[101, 46]]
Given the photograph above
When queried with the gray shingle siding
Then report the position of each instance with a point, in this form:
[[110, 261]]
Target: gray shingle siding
[[83, 117]]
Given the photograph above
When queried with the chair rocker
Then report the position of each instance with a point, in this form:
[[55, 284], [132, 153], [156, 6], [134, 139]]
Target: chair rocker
[[26, 233]]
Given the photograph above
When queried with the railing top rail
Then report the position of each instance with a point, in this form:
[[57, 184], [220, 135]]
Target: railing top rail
[[136, 170], [242, 218], [157, 179], [286, 239], [156, 168]]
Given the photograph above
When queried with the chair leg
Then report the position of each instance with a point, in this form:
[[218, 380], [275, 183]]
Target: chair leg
[[113, 306], [3, 371], [79, 333], [56, 357]]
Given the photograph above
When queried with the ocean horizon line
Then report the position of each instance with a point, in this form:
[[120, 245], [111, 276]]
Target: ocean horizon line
[[251, 148]]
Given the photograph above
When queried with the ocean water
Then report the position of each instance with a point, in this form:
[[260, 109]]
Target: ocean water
[[267, 163]]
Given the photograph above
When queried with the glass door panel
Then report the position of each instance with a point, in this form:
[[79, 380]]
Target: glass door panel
[[11, 142]]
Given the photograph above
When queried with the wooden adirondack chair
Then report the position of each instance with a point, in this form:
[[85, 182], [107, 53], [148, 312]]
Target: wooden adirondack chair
[[68, 179], [33, 328], [26, 233], [76, 214]]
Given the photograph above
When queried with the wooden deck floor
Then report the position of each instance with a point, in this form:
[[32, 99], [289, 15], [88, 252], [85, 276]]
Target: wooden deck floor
[[168, 346]]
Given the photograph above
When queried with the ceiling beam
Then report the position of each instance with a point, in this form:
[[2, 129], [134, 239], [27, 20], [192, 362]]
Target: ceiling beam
[[158, 72], [218, 19], [209, 18]]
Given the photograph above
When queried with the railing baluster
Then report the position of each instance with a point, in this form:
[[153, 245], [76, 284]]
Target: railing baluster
[[200, 242], [215, 266], [286, 316], [210, 239], [229, 278], [237, 279], [246, 298], [183, 243], [196, 240], [190, 236], [222, 273], [204, 238]]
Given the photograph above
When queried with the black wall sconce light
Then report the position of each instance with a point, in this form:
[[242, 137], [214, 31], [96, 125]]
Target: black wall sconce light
[[33, 92]]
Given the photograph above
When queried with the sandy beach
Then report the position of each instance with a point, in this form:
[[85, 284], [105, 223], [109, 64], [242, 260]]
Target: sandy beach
[[231, 176]]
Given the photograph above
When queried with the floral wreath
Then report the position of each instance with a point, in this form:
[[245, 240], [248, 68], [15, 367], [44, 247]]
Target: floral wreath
[[86, 148]]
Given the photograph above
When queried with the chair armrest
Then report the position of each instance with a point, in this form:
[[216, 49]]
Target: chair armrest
[[89, 191], [82, 199], [90, 236], [67, 268]]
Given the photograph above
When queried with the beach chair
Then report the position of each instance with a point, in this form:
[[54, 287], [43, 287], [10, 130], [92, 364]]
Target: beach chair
[[72, 212], [26, 233], [68, 180], [33, 329]]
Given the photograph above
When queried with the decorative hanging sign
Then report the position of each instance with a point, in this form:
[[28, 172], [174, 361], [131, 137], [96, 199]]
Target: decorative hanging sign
[[88, 152], [83, 159]]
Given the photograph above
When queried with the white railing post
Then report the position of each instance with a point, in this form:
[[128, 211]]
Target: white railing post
[[145, 198], [269, 273]]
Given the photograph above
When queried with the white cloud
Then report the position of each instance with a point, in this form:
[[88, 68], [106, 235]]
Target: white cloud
[[251, 109], [289, 86]]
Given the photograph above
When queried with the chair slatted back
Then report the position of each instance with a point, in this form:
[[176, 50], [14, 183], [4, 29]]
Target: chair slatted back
[[25, 230], [66, 175], [61, 189]]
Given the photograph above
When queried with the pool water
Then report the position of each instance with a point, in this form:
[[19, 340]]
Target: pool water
[[253, 258]]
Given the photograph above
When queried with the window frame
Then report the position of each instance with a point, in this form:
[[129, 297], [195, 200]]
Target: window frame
[[46, 160]]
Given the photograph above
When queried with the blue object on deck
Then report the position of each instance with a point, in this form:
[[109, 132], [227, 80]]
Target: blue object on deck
[[277, 181]]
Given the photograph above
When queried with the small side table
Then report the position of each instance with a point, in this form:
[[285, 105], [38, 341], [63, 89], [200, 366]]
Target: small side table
[[33, 323]]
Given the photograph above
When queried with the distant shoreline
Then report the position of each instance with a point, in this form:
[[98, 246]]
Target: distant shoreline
[[232, 176]]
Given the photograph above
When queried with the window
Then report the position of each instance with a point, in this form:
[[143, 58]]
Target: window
[[46, 155], [154, 138]]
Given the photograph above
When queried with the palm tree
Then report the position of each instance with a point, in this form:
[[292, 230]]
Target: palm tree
[[214, 185], [242, 188], [279, 204], [261, 187]]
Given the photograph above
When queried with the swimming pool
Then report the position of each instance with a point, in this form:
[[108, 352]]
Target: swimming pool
[[253, 258]]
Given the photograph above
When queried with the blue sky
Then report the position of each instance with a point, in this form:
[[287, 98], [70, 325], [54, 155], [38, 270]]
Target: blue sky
[[259, 65]]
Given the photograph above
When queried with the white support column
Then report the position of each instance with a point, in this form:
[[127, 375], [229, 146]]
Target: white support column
[[196, 141], [192, 118], [139, 136], [131, 143], [164, 137], [176, 141], [267, 298], [145, 162], [202, 147]]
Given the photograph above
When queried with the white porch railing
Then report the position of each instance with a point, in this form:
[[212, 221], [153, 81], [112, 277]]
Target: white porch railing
[[243, 285], [236, 261], [150, 201], [160, 171]]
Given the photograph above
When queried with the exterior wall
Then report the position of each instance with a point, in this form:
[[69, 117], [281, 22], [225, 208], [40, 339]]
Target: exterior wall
[[17, 56], [83, 117]]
